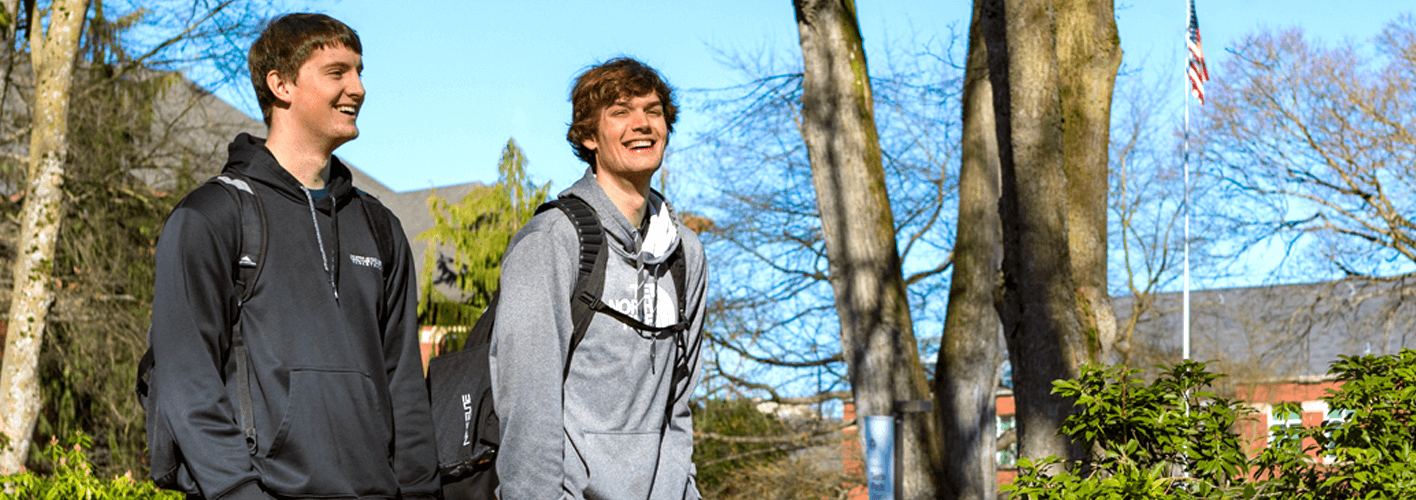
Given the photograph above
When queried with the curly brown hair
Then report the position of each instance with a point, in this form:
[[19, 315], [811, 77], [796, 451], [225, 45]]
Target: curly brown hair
[[600, 86], [287, 42]]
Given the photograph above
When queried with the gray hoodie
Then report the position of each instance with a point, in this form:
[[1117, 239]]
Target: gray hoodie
[[604, 435]]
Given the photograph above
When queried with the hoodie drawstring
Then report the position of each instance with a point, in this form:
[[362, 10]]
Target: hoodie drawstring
[[641, 310], [324, 257]]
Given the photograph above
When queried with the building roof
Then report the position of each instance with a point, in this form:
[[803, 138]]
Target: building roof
[[1288, 332]]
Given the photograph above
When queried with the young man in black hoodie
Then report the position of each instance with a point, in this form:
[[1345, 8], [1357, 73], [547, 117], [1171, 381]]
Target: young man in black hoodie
[[339, 407]]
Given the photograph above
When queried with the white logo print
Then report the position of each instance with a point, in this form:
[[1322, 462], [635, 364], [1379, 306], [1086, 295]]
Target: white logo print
[[360, 260], [661, 312], [466, 418]]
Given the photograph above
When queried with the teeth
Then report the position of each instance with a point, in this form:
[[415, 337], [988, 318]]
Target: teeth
[[348, 110], [640, 144]]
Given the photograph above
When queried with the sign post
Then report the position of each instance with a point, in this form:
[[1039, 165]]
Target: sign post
[[901, 408]]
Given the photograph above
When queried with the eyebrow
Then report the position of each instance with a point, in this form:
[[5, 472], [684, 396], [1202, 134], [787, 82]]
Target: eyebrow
[[626, 103], [343, 65]]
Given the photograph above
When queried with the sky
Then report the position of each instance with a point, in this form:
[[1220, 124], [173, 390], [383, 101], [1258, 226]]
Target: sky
[[448, 82]]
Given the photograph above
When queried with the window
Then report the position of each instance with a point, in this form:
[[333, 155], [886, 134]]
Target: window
[[1008, 458], [1334, 418], [1285, 416]]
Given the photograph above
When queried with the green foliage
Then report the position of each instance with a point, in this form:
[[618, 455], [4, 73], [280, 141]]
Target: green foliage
[[1370, 455], [103, 268], [73, 477], [1142, 436], [1172, 439], [719, 461], [478, 229]]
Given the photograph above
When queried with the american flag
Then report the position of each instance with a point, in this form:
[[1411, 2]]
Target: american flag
[[1197, 72]]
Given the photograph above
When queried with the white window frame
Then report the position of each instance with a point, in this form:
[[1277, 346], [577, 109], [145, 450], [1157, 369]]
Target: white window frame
[[1006, 458], [1274, 420], [1333, 417]]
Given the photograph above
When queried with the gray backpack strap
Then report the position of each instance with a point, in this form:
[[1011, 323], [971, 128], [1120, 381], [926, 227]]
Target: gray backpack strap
[[249, 264]]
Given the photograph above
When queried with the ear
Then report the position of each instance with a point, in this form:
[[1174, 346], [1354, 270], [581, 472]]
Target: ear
[[279, 86], [590, 143]]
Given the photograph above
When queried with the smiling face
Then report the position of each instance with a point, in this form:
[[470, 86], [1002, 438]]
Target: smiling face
[[324, 99], [630, 138]]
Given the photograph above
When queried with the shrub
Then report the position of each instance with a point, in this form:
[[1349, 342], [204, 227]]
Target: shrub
[[1173, 439], [1370, 454], [72, 477]]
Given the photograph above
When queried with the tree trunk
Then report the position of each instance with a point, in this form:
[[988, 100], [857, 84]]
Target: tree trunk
[[877, 338], [1039, 310], [971, 351], [52, 53], [1088, 54], [9, 27]]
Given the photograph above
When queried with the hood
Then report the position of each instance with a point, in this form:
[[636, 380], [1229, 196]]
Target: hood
[[662, 237], [248, 156]]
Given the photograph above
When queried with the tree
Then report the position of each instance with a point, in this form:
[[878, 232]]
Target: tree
[[773, 306], [877, 336], [971, 352], [139, 133], [478, 229], [52, 56], [1313, 144], [772, 329], [1052, 60]]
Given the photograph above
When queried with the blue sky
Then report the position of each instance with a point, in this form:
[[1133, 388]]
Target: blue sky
[[449, 82]]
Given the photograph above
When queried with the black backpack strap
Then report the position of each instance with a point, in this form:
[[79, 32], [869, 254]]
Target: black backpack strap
[[677, 269], [382, 227], [590, 269], [249, 264]]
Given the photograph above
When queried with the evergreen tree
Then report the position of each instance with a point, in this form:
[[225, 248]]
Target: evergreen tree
[[477, 230]]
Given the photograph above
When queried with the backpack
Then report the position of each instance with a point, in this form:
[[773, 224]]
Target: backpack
[[466, 427], [167, 467]]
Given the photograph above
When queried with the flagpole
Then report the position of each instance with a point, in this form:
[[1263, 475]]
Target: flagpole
[[1195, 75], [1185, 308]]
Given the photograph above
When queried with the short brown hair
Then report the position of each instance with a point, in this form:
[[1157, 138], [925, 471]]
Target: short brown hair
[[600, 86], [289, 41]]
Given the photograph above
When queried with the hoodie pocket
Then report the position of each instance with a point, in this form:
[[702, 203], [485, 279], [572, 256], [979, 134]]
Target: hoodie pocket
[[334, 438], [621, 464]]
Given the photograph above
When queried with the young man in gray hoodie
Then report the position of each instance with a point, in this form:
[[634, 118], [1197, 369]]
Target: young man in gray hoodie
[[619, 425]]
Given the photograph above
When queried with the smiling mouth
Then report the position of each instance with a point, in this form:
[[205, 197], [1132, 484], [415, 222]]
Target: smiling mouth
[[640, 145], [348, 110]]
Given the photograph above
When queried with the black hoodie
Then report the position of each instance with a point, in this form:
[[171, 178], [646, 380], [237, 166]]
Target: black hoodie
[[341, 410]]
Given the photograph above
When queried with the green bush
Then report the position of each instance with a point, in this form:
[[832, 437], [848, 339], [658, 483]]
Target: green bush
[[1172, 439], [72, 478], [1370, 455]]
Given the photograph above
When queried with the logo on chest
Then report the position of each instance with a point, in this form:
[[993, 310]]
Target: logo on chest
[[655, 305], [360, 260]]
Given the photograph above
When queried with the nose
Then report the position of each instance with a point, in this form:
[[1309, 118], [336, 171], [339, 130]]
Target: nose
[[356, 87], [640, 122]]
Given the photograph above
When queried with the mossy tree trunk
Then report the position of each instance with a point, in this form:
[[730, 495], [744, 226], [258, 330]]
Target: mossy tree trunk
[[1088, 55], [971, 350], [877, 337], [52, 53], [1052, 73]]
